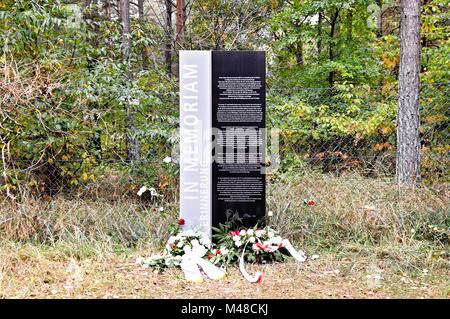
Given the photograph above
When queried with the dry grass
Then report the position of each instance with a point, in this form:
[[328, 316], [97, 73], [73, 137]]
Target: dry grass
[[349, 208], [30, 272], [357, 209], [123, 221], [362, 228]]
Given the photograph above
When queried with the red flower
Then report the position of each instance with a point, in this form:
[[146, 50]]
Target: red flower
[[173, 246], [234, 233], [181, 221], [311, 203], [218, 252], [261, 246], [210, 256]]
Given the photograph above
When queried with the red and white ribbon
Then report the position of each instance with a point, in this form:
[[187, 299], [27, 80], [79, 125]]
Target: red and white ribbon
[[298, 256], [253, 279]]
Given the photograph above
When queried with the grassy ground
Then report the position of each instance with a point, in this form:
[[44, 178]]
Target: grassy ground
[[29, 271], [375, 240]]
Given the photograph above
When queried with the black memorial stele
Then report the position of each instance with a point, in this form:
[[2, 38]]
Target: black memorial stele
[[238, 121]]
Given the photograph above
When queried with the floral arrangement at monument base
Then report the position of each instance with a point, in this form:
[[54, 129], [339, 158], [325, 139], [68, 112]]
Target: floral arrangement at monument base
[[194, 252]]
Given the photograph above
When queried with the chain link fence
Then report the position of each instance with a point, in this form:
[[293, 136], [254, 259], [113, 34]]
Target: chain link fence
[[65, 173], [338, 150], [355, 128]]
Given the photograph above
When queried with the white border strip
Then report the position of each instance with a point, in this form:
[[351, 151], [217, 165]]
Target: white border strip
[[195, 140]]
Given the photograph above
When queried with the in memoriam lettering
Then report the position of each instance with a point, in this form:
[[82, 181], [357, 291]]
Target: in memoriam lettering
[[191, 159]]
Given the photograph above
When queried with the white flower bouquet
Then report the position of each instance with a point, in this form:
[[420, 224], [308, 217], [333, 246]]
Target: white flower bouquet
[[177, 246], [192, 250]]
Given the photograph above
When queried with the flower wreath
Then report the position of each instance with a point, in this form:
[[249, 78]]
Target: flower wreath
[[193, 250]]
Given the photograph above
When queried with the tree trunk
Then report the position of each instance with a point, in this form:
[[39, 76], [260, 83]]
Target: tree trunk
[[349, 25], [132, 144], [141, 9], [107, 9], [119, 14], [96, 140], [408, 141], [380, 19], [90, 15], [95, 15], [331, 52], [319, 35], [126, 40], [299, 53], [180, 19], [169, 31], [142, 22], [180, 28]]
